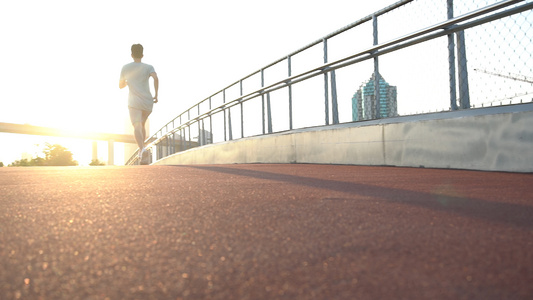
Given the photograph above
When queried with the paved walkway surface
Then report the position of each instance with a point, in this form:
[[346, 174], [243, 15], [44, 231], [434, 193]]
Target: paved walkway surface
[[264, 232]]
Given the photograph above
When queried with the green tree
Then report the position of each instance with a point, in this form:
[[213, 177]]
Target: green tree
[[38, 161], [57, 155], [20, 163], [1, 164], [96, 162]]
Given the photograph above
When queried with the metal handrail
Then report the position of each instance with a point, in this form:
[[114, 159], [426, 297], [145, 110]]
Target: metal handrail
[[440, 29]]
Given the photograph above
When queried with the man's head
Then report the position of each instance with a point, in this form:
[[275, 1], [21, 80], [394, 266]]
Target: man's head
[[137, 51]]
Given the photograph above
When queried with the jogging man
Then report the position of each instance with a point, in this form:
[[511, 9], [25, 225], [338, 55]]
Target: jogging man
[[136, 75]]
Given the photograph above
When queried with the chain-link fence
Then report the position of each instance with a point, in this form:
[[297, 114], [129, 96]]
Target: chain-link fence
[[499, 57], [429, 56]]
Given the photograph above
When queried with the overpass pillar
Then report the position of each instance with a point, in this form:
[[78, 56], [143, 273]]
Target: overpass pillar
[[95, 151], [110, 153]]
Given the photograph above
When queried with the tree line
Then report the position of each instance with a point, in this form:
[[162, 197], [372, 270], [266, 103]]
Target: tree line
[[54, 155]]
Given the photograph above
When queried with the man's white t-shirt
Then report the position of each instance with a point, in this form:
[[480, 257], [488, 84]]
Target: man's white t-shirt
[[137, 75]]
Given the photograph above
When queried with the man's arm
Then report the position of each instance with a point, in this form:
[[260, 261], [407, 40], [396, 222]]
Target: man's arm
[[122, 83], [156, 85]]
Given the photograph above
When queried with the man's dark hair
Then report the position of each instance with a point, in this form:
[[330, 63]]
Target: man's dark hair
[[137, 50]]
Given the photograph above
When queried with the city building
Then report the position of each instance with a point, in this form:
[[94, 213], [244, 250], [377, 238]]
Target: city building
[[364, 104]]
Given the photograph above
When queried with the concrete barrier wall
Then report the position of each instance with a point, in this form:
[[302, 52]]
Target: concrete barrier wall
[[494, 139]]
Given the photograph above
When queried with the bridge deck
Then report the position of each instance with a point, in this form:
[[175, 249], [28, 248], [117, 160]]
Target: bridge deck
[[265, 232], [47, 131]]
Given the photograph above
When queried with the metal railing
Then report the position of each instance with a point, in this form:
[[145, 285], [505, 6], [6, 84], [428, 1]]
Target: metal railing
[[430, 66]]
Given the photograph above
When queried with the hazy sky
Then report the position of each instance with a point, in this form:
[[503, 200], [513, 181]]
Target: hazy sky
[[62, 59]]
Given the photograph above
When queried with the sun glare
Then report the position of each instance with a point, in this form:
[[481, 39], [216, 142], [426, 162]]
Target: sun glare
[[74, 81]]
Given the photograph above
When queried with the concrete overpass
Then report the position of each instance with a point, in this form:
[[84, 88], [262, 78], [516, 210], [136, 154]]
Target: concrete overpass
[[111, 138]]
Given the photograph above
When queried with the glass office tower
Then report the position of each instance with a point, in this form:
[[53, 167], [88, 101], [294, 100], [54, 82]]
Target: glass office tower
[[364, 102]]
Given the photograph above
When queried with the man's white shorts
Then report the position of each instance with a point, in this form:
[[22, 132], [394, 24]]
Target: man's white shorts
[[138, 115]]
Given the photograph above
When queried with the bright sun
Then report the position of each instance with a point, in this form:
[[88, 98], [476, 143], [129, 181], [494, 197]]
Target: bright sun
[[75, 128]]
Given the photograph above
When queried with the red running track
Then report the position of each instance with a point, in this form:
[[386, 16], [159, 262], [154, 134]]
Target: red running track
[[265, 232]]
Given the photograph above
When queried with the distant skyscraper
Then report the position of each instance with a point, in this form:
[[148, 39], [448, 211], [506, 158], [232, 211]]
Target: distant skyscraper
[[364, 104]]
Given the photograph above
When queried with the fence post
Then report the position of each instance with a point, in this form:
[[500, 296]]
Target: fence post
[[263, 101], [157, 148], [173, 143], [190, 140], [326, 83], [290, 93], [210, 122], [376, 69], [451, 61], [183, 145], [464, 94], [242, 112], [225, 121], [230, 132], [168, 145], [189, 128], [334, 105], [202, 133], [269, 114], [199, 134]]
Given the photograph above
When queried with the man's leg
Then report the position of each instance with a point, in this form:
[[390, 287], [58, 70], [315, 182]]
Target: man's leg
[[145, 115], [137, 122], [138, 132], [143, 157]]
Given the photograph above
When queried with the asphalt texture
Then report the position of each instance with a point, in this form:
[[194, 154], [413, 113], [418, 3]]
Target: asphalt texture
[[264, 232]]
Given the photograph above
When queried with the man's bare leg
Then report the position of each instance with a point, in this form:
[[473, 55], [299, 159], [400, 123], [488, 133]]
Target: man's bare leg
[[142, 132], [139, 133]]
